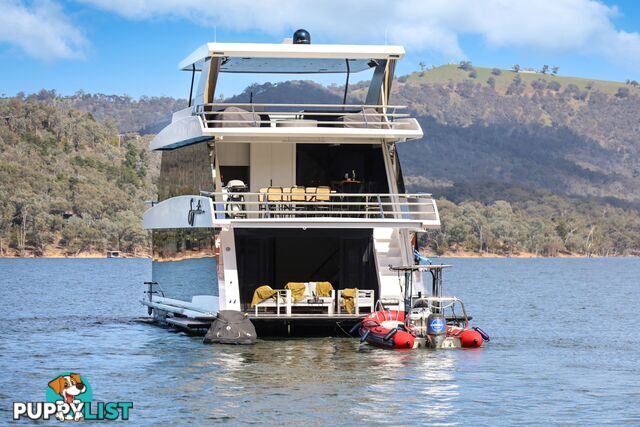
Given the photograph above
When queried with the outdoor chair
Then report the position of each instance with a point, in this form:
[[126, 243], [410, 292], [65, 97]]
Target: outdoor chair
[[363, 298], [274, 198], [303, 295]]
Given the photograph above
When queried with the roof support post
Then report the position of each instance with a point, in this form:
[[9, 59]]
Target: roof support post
[[193, 76], [375, 89], [212, 80], [389, 80], [346, 85]]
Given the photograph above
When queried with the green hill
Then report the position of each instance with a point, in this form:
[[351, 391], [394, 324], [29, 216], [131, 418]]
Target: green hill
[[444, 74]]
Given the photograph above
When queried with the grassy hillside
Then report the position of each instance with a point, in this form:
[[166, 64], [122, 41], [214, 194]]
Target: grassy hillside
[[444, 74]]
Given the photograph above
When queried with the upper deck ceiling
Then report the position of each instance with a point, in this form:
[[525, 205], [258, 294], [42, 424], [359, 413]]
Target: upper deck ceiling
[[291, 58]]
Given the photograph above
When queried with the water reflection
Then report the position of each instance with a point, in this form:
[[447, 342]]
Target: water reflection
[[294, 379], [412, 386], [440, 392]]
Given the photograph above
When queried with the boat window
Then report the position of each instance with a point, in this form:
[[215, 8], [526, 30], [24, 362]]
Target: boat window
[[184, 171], [184, 262], [286, 85], [294, 65]]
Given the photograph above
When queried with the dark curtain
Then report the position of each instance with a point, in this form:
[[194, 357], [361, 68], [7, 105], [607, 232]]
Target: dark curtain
[[274, 257]]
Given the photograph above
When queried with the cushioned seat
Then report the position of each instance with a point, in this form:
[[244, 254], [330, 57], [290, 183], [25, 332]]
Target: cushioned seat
[[367, 118], [352, 300], [266, 297], [312, 294], [235, 117]]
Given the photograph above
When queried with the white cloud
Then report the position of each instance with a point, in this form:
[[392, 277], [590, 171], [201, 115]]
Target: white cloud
[[577, 26], [40, 29]]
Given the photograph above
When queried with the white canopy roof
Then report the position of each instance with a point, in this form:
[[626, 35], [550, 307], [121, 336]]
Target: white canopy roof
[[291, 51]]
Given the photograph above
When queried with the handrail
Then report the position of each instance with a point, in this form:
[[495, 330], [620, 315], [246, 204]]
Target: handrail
[[257, 104], [316, 122], [297, 113], [243, 205], [261, 193], [270, 114]]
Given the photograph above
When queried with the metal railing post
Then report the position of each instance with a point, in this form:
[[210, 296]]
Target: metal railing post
[[253, 114], [380, 206]]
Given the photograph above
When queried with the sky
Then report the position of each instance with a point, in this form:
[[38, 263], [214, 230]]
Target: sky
[[133, 46]]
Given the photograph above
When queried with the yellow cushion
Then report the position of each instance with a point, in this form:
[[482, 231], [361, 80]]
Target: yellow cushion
[[297, 290], [348, 299], [262, 293], [323, 289]]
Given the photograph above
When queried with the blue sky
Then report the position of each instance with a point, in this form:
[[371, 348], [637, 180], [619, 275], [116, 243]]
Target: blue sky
[[133, 46]]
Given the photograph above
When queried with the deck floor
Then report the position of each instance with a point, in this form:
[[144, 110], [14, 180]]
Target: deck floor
[[273, 325], [305, 316]]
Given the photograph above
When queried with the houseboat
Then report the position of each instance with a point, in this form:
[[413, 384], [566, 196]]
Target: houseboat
[[289, 212]]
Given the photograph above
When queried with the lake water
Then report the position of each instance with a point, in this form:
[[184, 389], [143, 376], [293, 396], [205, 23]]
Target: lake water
[[564, 350]]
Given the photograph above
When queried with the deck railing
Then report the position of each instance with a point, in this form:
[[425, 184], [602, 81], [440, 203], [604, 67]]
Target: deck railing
[[244, 205], [302, 115]]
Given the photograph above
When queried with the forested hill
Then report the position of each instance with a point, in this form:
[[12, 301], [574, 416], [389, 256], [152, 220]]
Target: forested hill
[[521, 161], [69, 184], [147, 115]]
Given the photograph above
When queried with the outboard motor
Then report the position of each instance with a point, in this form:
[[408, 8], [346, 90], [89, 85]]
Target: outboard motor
[[436, 329], [301, 37]]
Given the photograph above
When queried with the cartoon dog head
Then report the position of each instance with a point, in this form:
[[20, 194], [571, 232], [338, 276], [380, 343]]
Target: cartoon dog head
[[68, 386]]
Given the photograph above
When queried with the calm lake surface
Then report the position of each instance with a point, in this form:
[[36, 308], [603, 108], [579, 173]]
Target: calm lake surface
[[564, 350]]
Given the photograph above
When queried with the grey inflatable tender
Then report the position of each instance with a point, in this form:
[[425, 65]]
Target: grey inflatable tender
[[231, 327]]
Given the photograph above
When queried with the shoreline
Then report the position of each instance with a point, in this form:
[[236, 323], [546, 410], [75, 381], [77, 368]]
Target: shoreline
[[82, 255], [459, 255], [523, 255]]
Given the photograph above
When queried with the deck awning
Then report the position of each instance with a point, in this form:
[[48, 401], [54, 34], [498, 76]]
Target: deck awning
[[291, 58]]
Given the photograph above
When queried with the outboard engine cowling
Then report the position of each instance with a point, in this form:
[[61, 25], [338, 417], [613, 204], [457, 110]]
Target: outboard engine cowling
[[436, 329]]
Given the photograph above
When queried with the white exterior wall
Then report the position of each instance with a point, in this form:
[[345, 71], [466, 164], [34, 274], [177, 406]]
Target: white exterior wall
[[272, 165], [233, 154], [228, 281]]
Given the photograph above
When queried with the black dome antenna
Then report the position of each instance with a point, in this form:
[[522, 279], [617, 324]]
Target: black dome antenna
[[301, 37]]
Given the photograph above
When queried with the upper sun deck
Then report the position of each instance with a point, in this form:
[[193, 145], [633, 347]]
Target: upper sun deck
[[372, 120], [289, 57], [291, 123]]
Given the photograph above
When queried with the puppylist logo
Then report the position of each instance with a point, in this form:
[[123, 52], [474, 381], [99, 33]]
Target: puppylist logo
[[69, 398]]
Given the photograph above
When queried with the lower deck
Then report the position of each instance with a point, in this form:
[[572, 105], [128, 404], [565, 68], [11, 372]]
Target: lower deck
[[290, 282], [276, 257], [296, 325]]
